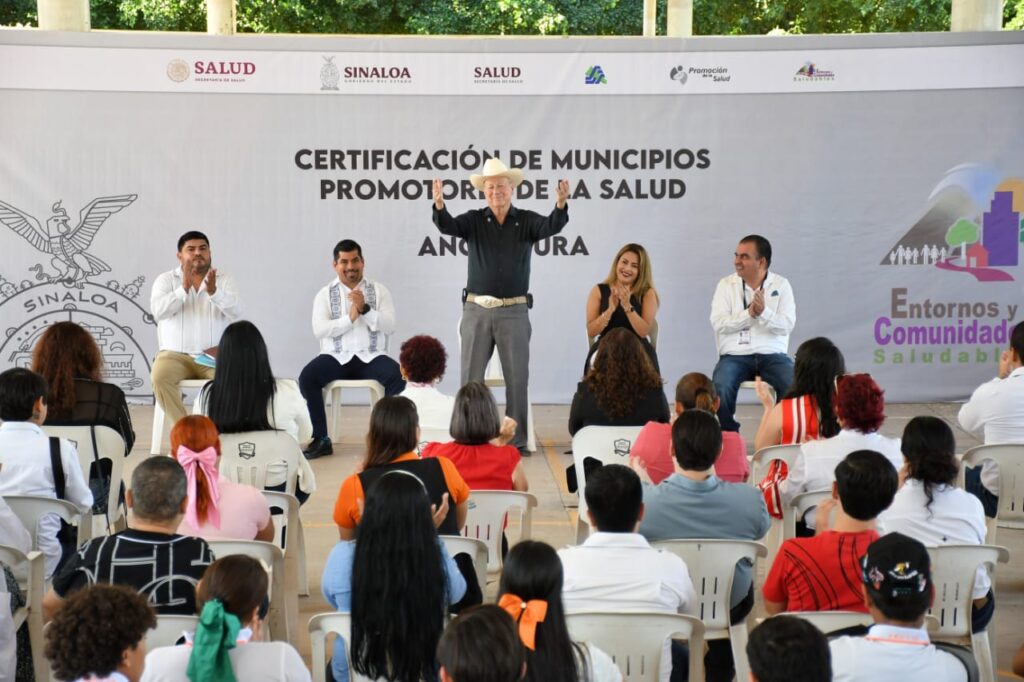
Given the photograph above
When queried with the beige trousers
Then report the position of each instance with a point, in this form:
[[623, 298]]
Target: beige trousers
[[168, 369]]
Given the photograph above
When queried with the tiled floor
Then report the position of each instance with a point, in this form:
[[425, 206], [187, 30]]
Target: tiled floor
[[554, 519]]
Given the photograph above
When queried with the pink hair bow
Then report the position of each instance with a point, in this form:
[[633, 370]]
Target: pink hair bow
[[207, 461]]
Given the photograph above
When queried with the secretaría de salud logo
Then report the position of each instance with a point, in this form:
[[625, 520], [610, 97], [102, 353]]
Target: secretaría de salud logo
[[595, 76], [971, 225], [109, 311]]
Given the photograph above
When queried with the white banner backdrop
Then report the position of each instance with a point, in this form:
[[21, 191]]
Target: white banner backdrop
[[888, 172]]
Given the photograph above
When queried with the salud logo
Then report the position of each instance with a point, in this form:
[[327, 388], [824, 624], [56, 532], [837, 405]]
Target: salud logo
[[972, 224], [678, 73], [178, 70], [329, 75], [595, 76], [109, 311], [810, 72]]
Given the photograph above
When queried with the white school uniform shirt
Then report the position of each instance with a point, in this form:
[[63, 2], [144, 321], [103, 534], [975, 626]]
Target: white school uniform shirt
[[893, 653], [433, 407], [997, 409], [251, 662], [25, 454], [815, 465], [192, 321], [343, 339], [955, 517], [622, 572], [769, 332]]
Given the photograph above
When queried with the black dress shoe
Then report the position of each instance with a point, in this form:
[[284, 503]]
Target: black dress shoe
[[319, 448]]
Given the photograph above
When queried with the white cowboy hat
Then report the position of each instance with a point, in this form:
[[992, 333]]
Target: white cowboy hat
[[494, 168]]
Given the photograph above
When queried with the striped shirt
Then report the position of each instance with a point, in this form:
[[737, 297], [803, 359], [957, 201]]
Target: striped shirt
[[799, 420]]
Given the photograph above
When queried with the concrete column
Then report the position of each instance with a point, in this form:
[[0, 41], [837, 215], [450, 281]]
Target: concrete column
[[650, 18], [680, 18], [63, 15], [976, 15], [220, 17]]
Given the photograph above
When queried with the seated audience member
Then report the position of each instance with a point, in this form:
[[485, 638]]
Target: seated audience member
[[481, 645], [820, 573], [694, 503], [390, 446], [861, 412], [616, 569], [625, 299], [149, 556], [531, 592], [69, 359], [653, 445], [244, 396], [996, 408], [897, 589], [929, 507], [805, 412], [100, 634], [28, 458], [787, 649], [218, 508], [396, 580], [422, 360], [232, 600], [621, 389], [479, 447]]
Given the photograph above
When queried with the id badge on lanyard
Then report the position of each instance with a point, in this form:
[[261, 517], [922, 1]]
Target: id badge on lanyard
[[744, 337]]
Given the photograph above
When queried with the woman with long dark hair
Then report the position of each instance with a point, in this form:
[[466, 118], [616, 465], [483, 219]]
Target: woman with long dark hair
[[806, 411], [391, 445], [67, 356], [232, 599], [531, 592], [245, 396], [397, 581], [929, 507], [622, 388]]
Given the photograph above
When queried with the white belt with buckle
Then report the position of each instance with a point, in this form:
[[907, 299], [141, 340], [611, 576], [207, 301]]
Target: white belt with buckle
[[485, 301]]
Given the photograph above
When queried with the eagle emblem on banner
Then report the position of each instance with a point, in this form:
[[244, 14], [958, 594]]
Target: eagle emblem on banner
[[68, 246]]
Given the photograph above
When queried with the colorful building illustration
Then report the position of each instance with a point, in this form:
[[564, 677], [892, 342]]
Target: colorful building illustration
[[1001, 231], [977, 256]]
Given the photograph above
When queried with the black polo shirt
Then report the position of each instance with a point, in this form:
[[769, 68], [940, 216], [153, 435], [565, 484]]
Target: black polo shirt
[[499, 255]]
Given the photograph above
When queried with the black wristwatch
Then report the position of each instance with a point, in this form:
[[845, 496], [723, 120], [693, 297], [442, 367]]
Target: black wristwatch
[[366, 309]]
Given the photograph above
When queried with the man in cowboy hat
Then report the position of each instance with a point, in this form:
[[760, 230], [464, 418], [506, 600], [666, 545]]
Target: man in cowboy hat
[[496, 300]]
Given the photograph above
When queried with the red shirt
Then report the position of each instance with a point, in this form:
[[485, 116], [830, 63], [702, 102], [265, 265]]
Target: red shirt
[[482, 467], [821, 573], [653, 447]]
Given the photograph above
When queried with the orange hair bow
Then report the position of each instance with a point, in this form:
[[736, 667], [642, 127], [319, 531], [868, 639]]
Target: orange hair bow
[[527, 614]]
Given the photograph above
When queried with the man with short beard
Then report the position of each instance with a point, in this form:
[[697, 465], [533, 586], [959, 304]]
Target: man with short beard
[[192, 305]]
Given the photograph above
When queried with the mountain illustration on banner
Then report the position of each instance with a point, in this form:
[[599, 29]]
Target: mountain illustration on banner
[[973, 224]]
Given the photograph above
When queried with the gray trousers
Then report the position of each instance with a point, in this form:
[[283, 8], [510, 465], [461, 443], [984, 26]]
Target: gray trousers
[[509, 329]]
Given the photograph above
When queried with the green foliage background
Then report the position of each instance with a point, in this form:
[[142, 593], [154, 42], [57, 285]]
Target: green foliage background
[[521, 17]]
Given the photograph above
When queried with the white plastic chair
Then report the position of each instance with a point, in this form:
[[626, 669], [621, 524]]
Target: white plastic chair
[[712, 564], [635, 641], [798, 506], [609, 445], [159, 428], [291, 543], [111, 447], [830, 621], [169, 629], [281, 626], [32, 566], [30, 508], [486, 520], [1010, 459], [954, 569], [332, 392], [761, 460], [320, 626], [476, 549]]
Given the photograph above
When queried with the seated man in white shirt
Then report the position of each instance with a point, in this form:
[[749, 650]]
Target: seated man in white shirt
[[616, 569], [898, 592], [192, 305], [353, 318], [997, 408], [787, 648], [26, 465]]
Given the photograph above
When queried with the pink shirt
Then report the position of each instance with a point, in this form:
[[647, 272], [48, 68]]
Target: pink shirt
[[653, 447], [243, 512]]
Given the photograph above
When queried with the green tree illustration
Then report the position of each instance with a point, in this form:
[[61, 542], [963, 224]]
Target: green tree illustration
[[961, 233]]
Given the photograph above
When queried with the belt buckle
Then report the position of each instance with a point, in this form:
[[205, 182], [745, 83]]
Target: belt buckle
[[488, 301]]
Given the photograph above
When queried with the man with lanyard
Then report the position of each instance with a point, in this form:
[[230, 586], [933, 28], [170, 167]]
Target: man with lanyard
[[752, 313], [496, 299], [353, 318]]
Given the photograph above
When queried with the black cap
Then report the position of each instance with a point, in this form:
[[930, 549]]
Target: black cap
[[897, 567]]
